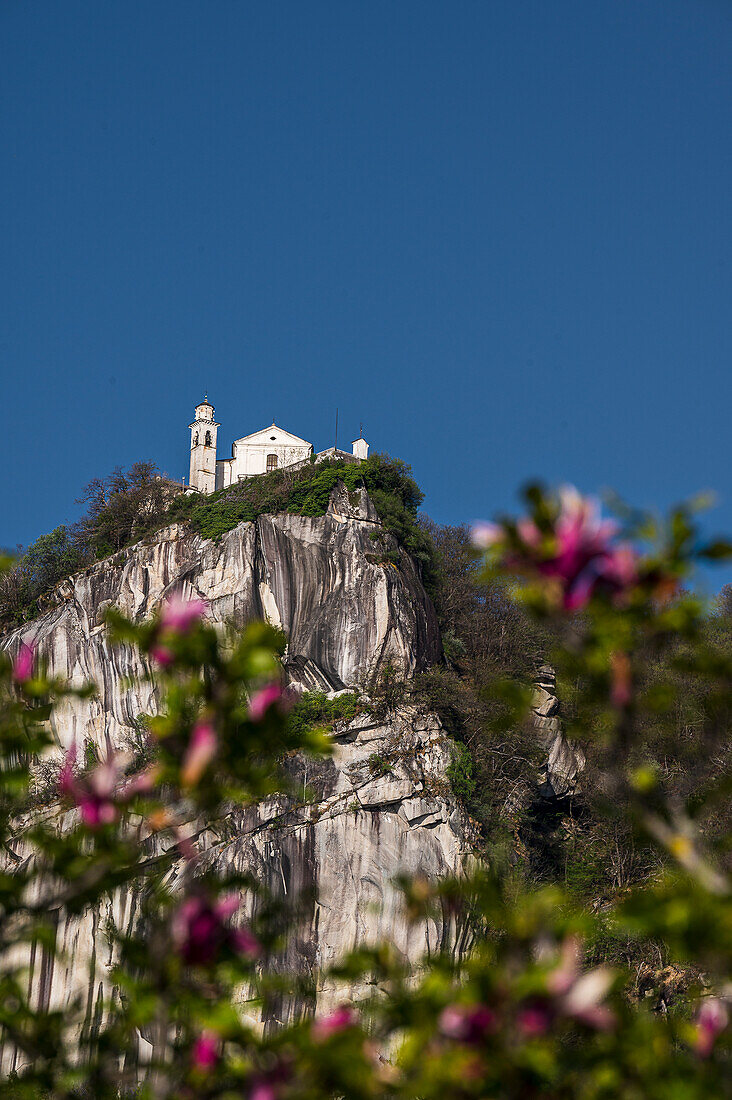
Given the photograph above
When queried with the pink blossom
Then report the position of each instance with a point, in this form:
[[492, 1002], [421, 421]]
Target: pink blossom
[[579, 995], [563, 976], [711, 1020], [533, 1018], [162, 655], [206, 1051], [245, 943], [622, 565], [263, 700], [339, 1020], [262, 1090], [467, 1023], [23, 663], [200, 930], [178, 615], [528, 532], [584, 554], [583, 1001], [201, 750], [98, 795], [579, 553], [93, 794]]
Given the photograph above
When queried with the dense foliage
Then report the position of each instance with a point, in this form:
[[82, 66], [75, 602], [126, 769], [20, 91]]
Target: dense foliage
[[492, 650], [493, 647], [314, 710]]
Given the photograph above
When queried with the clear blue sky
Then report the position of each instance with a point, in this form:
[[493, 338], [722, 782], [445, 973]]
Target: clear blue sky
[[497, 232]]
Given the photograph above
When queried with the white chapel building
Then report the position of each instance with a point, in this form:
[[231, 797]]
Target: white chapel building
[[268, 449]]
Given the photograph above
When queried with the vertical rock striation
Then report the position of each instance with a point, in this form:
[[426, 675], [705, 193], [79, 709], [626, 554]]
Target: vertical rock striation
[[332, 583], [350, 602]]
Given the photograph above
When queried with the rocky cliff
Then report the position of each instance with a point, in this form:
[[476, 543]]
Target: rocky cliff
[[349, 601], [347, 598]]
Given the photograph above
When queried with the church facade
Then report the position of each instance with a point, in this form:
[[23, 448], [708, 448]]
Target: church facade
[[261, 452]]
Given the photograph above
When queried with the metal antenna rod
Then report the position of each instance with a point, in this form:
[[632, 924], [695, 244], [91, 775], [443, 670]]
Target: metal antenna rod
[[336, 437]]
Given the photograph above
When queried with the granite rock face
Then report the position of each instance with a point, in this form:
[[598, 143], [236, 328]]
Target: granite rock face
[[330, 582], [381, 808], [350, 602]]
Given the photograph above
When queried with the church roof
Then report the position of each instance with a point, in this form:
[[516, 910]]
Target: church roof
[[274, 434]]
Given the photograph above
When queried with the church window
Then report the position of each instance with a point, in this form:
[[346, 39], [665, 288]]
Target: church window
[[195, 440], [271, 463], [208, 439]]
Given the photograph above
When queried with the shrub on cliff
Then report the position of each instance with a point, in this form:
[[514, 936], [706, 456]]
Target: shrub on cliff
[[314, 710], [46, 562]]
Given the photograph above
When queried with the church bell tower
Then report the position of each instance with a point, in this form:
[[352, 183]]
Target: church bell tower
[[203, 448]]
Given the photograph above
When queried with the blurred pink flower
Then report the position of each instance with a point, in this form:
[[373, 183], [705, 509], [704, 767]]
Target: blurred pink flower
[[528, 532], [579, 995], [339, 1020], [563, 976], [711, 1020], [178, 615], [533, 1018], [206, 1051], [467, 1023], [583, 1001], [621, 567], [584, 555], [245, 943], [262, 1090], [200, 930], [201, 750], [264, 699], [98, 795], [579, 553], [23, 663], [162, 655], [265, 1086]]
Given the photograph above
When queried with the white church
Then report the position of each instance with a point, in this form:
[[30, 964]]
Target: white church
[[268, 449]]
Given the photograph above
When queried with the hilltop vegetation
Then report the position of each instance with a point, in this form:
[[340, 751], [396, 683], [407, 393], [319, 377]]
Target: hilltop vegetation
[[128, 506], [306, 491]]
